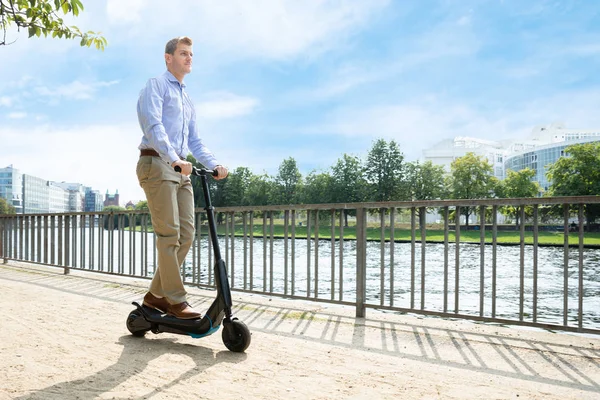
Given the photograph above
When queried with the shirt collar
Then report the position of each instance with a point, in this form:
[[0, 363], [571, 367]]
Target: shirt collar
[[172, 78]]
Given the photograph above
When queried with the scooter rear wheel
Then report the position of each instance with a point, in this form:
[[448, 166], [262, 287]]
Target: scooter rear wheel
[[236, 335], [136, 324]]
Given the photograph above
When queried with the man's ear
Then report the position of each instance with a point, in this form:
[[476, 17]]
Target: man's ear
[[168, 58]]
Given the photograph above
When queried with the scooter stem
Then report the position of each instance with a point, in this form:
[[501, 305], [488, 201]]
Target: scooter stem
[[220, 268]]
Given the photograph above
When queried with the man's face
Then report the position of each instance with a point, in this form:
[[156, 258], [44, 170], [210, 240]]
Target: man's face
[[180, 63]]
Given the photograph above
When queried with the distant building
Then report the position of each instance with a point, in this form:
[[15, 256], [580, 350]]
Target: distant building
[[545, 146], [32, 195], [93, 201], [111, 199], [446, 151], [76, 195], [58, 199], [130, 205], [11, 187]]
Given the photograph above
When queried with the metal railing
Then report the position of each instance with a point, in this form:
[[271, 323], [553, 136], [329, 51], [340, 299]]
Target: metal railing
[[308, 252]]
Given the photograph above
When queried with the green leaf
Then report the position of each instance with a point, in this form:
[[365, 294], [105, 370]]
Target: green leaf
[[31, 30]]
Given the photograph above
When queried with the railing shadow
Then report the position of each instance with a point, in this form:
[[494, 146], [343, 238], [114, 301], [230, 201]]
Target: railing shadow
[[546, 362]]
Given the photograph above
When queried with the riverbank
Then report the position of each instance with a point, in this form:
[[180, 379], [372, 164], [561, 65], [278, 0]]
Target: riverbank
[[403, 235]]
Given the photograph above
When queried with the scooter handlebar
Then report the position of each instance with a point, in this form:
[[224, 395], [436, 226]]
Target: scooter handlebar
[[199, 171]]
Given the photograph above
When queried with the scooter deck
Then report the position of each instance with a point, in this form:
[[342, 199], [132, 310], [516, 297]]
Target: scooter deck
[[156, 316]]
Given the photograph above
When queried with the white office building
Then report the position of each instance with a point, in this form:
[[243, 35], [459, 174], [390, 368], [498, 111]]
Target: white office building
[[32, 195], [11, 187], [446, 151], [543, 147]]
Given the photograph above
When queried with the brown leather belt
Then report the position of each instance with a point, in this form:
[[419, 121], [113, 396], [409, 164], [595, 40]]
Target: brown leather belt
[[153, 153], [149, 152]]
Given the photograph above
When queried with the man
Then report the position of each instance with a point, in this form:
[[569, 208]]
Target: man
[[168, 121]]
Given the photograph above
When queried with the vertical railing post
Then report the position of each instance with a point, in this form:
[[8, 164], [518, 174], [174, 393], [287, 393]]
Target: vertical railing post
[[66, 243], [565, 264], [361, 261], [456, 259], [2, 241]]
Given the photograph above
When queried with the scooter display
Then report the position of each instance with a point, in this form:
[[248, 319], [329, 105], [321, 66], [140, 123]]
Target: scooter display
[[236, 335]]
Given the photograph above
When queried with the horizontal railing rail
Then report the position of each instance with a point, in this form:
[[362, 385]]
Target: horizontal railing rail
[[368, 255]]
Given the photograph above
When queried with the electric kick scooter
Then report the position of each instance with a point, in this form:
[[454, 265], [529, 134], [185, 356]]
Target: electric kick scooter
[[235, 334]]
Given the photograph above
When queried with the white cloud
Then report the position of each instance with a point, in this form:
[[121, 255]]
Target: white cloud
[[17, 115], [418, 125], [222, 105], [280, 29], [123, 12], [101, 156], [272, 29], [74, 90], [5, 101]]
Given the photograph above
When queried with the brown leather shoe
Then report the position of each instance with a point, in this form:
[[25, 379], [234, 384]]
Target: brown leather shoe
[[161, 304], [183, 311]]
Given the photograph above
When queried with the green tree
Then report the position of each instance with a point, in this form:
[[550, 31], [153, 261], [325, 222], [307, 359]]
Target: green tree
[[318, 188], [348, 184], [578, 174], [471, 178], [288, 182], [45, 17], [518, 185], [425, 182], [260, 189], [141, 205], [115, 220], [238, 183], [385, 172], [6, 207]]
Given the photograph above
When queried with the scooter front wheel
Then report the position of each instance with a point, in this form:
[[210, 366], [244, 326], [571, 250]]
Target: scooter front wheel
[[137, 324], [236, 335]]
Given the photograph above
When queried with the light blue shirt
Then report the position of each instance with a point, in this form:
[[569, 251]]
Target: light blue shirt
[[168, 120]]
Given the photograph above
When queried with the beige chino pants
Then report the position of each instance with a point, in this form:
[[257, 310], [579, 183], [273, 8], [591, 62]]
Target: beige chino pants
[[171, 202]]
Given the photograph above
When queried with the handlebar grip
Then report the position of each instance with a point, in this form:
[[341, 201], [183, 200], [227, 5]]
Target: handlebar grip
[[199, 171]]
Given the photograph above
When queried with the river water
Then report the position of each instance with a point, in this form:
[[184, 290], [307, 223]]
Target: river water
[[550, 278]]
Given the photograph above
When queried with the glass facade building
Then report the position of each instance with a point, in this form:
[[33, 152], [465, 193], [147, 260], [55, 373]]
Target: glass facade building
[[32, 195], [541, 157], [93, 201], [11, 187]]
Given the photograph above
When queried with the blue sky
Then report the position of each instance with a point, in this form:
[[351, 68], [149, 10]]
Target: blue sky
[[305, 79]]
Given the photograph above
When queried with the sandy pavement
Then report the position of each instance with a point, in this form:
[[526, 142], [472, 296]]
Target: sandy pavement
[[77, 347]]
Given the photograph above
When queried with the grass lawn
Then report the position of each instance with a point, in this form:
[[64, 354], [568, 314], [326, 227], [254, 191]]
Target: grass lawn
[[432, 235], [402, 234]]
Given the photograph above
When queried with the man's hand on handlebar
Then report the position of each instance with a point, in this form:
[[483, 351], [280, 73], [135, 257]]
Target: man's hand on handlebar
[[186, 167], [222, 172]]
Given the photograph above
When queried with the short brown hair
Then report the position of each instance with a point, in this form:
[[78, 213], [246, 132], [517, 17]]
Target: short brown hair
[[172, 44]]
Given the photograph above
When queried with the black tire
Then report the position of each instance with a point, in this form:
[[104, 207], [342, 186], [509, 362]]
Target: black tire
[[136, 324], [236, 335]]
